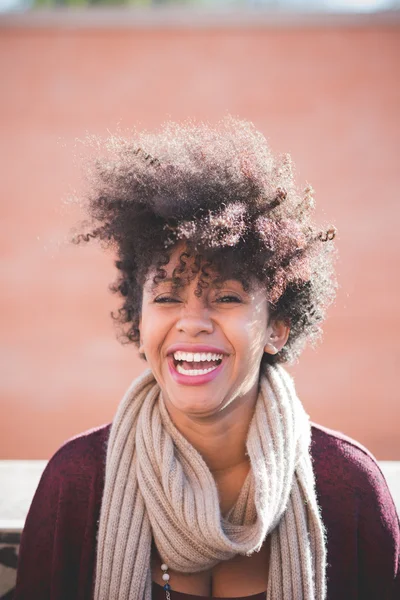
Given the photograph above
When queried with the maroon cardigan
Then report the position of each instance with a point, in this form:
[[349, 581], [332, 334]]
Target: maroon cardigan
[[58, 545]]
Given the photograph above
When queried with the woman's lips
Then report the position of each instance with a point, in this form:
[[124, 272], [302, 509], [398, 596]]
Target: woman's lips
[[193, 379]]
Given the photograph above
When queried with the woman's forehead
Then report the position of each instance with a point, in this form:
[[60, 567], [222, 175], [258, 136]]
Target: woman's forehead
[[186, 264], [215, 280]]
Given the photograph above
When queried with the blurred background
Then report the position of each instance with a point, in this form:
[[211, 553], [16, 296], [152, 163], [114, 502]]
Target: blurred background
[[319, 79]]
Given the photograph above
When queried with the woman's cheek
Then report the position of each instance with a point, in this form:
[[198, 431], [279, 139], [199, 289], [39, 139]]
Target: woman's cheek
[[155, 334]]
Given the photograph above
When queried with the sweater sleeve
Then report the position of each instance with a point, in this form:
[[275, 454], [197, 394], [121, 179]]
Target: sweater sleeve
[[362, 526], [378, 534], [57, 551]]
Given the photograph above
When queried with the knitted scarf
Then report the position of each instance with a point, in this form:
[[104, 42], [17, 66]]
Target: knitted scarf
[[157, 486]]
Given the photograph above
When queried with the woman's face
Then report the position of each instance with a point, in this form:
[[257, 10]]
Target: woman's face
[[205, 352]]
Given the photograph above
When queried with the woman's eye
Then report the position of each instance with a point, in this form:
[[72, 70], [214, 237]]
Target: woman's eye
[[228, 299], [165, 299]]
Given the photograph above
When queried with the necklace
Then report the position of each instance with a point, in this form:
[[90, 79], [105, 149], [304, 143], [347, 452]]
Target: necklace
[[166, 577]]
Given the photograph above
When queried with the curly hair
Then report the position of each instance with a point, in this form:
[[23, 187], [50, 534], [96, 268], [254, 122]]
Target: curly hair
[[234, 205]]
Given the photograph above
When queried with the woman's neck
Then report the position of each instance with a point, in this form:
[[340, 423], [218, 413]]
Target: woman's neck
[[220, 438]]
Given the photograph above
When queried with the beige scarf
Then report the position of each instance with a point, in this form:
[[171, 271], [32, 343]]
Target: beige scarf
[[158, 486]]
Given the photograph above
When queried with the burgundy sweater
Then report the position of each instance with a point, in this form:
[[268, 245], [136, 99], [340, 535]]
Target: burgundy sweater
[[58, 545]]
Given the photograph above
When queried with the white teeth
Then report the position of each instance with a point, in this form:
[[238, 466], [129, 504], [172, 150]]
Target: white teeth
[[197, 356], [193, 372]]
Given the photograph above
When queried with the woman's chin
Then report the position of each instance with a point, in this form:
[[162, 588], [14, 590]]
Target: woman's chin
[[194, 395], [194, 405]]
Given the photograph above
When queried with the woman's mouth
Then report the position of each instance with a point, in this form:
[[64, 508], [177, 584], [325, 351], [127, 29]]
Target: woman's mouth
[[192, 364], [194, 368]]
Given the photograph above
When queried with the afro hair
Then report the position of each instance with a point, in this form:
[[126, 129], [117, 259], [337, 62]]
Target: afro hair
[[235, 206]]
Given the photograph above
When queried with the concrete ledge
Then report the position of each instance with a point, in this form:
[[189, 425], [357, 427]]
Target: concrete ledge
[[391, 471], [18, 482]]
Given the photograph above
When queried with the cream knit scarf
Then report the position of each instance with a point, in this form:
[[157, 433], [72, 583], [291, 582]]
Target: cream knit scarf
[[158, 486]]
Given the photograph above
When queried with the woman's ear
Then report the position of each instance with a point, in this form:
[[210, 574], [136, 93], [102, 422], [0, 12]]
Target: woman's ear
[[278, 333], [141, 347], [141, 350]]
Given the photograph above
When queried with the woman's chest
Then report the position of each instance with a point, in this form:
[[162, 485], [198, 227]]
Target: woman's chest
[[239, 576]]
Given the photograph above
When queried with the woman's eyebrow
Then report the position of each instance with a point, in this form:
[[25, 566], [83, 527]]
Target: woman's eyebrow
[[153, 286], [164, 280], [221, 282]]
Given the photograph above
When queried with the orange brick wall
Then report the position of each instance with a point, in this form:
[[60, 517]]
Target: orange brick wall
[[330, 96]]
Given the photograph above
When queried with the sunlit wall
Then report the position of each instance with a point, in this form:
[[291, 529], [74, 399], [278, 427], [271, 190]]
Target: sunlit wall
[[328, 93]]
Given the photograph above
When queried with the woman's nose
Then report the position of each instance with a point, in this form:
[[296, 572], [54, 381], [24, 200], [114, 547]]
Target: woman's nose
[[193, 321]]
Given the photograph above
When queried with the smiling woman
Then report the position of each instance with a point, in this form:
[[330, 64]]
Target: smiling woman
[[211, 482], [217, 337]]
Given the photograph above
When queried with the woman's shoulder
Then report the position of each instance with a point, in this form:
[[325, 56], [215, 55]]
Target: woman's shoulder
[[74, 476], [82, 453], [344, 467], [339, 459], [338, 444], [72, 482], [57, 551], [359, 515]]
